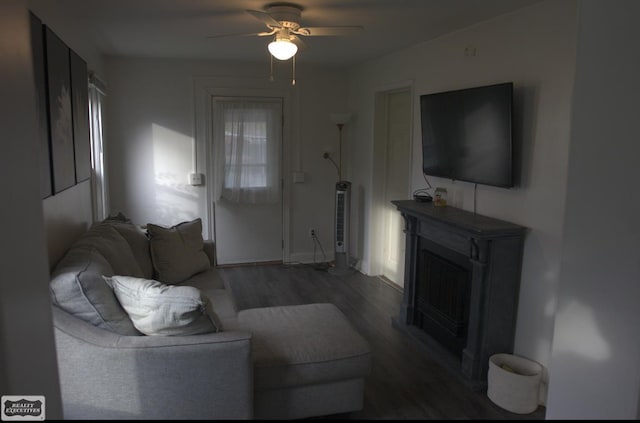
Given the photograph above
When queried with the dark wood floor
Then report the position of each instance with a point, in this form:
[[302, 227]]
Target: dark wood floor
[[406, 382]]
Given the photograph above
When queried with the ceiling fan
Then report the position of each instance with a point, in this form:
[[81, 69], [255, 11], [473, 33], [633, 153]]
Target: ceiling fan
[[283, 21]]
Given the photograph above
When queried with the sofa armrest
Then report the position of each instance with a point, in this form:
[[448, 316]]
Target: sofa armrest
[[108, 376], [210, 250]]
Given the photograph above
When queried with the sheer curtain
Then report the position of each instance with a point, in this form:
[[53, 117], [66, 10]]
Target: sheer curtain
[[247, 135]]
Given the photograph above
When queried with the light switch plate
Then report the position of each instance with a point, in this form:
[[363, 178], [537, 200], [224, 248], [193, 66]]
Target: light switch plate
[[298, 177]]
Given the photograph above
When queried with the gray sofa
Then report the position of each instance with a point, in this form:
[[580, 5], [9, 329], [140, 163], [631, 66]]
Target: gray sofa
[[267, 363]]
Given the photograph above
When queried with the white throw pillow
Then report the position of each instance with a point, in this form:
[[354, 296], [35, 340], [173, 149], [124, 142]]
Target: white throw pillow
[[159, 309]]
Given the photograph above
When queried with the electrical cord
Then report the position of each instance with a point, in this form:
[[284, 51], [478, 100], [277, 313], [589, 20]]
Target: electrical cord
[[316, 243], [423, 191], [475, 194], [323, 266], [328, 157]]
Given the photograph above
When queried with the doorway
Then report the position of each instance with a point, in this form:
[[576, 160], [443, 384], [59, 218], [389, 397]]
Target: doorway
[[392, 164], [247, 137]]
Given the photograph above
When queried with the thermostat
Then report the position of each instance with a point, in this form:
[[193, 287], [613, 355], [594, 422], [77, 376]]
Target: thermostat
[[195, 179]]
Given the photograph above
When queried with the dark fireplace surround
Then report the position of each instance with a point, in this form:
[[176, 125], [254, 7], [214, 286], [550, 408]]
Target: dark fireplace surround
[[461, 285]]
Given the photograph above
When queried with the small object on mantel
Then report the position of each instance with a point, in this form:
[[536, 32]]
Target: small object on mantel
[[440, 199], [423, 198]]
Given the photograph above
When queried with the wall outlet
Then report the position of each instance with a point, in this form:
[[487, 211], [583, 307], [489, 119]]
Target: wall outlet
[[312, 232]]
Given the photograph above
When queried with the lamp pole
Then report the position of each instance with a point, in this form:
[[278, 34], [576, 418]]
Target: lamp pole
[[340, 125]]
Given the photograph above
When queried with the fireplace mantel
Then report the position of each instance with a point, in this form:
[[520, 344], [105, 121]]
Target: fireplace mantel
[[493, 249]]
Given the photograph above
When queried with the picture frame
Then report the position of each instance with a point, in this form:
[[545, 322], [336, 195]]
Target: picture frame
[[60, 112], [80, 104], [40, 83]]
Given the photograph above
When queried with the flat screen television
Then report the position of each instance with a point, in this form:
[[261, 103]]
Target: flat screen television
[[467, 134]]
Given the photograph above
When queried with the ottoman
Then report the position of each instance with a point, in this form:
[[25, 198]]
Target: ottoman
[[308, 361]]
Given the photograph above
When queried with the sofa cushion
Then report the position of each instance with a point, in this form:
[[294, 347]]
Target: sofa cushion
[[177, 253], [213, 287], [303, 344], [113, 247], [159, 309], [139, 243], [78, 288], [208, 279]]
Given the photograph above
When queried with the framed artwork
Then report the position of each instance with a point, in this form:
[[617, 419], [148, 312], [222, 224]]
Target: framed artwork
[[40, 82], [80, 104], [60, 112]]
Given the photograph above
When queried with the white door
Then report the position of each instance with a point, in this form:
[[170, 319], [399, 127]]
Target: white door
[[247, 146], [397, 168]]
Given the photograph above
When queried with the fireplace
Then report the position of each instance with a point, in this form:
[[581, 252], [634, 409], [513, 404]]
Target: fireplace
[[462, 278], [443, 288]]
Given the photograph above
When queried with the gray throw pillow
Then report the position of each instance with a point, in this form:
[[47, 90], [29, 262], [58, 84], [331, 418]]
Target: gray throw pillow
[[78, 288], [114, 248], [177, 253], [117, 218], [159, 309], [139, 243]]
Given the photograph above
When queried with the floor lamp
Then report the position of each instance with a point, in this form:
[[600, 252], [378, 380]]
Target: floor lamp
[[342, 210]]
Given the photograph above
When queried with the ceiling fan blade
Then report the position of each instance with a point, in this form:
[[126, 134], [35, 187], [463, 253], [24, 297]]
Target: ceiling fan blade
[[242, 34], [321, 31], [265, 18], [298, 41]]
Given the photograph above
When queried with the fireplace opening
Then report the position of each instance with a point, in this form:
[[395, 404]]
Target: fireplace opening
[[443, 291]]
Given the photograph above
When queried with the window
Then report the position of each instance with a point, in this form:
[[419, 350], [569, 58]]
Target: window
[[97, 93], [245, 143], [247, 139]]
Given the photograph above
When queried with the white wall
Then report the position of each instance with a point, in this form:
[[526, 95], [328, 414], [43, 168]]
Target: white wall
[[70, 27], [534, 48], [595, 363], [151, 116], [27, 353], [67, 214]]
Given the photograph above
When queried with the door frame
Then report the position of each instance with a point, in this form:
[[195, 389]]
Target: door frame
[[205, 89], [378, 173]]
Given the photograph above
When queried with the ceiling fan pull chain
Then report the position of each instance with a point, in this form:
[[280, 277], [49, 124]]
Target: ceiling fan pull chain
[[271, 75], [293, 80]]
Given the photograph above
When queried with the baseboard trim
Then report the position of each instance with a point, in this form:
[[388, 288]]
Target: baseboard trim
[[253, 263], [387, 281], [308, 257]]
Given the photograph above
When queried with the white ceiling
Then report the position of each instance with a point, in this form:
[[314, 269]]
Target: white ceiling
[[179, 28]]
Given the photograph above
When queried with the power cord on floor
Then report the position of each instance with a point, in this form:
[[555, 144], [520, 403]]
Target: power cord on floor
[[316, 243], [323, 266]]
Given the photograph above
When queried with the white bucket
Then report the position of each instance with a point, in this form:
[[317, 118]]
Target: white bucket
[[513, 383]]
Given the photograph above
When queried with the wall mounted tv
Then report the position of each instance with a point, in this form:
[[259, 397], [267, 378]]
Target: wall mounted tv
[[467, 134]]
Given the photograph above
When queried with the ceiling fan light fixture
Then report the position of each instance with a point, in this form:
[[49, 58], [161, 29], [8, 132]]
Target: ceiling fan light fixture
[[282, 49]]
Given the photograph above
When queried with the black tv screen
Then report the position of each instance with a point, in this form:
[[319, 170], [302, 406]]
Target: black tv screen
[[467, 134]]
